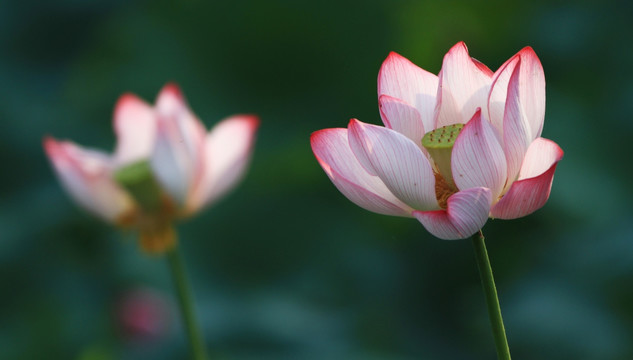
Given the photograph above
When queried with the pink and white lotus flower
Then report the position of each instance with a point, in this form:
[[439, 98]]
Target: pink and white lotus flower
[[165, 165], [456, 148]]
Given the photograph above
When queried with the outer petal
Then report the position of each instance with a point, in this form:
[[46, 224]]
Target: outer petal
[[332, 150], [170, 100], [172, 104], [401, 79], [86, 175], [227, 148], [517, 133], [466, 212], [477, 159], [402, 117], [135, 127], [397, 161], [541, 155], [463, 87], [499, 93], [532, 90], [532, 190], [177, 157]]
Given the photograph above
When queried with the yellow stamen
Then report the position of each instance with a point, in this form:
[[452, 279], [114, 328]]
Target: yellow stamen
[[443, 190]]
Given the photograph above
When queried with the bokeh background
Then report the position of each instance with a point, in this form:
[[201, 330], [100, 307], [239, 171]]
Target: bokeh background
[[285, 267]]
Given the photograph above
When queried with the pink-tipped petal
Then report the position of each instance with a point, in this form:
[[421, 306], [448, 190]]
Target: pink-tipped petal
[[332, 150], [531, 90], [499, 93], [171, 104], [135, 127], [397, 161], [466, 213], [477, 159], [517, 133], [401, 117], [170, 100], [532, 190], [87, 177], [227, 148], [401, 79], [540, 156], [173, 164], [178, 155], [463, 87]]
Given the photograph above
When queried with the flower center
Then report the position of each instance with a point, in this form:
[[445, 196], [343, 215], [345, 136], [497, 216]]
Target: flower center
[[156, 209], [439, 144], [138, 179]]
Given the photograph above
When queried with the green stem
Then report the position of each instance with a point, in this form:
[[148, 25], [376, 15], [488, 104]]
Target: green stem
[[185, 298], [488, 282]]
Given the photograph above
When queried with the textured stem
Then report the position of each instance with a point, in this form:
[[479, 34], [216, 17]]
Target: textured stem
[[490, 290], [185, 299]]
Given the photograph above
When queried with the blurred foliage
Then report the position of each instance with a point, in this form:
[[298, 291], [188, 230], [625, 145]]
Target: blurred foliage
[[285, 267]]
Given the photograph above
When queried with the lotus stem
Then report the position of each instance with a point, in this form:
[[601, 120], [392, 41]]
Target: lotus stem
[[492, 300], [185, 299]]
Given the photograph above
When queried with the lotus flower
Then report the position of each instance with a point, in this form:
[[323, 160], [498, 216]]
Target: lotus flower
[[456, 148], [165, 165]]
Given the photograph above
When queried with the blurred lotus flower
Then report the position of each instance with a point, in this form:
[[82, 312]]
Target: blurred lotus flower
[[456, 148], [165, 165]]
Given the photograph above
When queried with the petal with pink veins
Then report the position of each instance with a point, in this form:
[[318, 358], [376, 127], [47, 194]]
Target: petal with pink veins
[[135, 127], [517, 131], [227, 150], [499, 93], [401, 117], [466, 213], [540, 156], [87, 177], [464, 84], [401, 79], [332, 150], [477, 159], [397, 161], [532, 190], [531, 91]]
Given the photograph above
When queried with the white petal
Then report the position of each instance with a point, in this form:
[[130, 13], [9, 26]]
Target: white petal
[[401, 79], [464, 84], [402, 117], [477, 159], [135, 127], [87, 177], [466, 213], [540, 156], [531, 90], [332, 150], [517, 133], [227, 149], [177, 158], [399, 163], [532, 190]]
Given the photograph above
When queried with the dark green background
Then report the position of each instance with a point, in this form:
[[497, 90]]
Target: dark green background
[[285, 267]]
